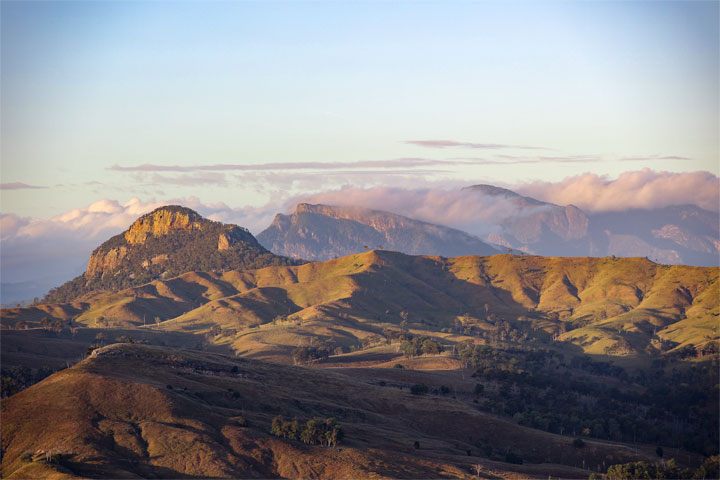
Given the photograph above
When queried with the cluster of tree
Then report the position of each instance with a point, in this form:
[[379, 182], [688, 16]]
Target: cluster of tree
[[540, 389], [314, 432], [419, 346], [667, 470], [16, 378], [307, 354], [52, 325]]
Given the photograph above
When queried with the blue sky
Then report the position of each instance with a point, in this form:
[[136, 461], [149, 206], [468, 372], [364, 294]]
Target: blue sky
[[244, 102]]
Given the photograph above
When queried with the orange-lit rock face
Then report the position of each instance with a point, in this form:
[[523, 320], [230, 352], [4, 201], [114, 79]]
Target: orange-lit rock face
[[160, 223], [105, 261]]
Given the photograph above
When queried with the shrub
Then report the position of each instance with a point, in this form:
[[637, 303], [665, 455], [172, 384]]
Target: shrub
[[397, 365], [578, 443], [419, 389]]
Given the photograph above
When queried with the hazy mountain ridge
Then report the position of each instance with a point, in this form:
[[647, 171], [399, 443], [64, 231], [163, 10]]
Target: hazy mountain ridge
[[166, 242], [322, 232], [684, 234]]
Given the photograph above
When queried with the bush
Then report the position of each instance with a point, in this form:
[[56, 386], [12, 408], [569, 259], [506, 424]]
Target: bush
[[416, 445], [578, 443], [397, 365], [419, 389]]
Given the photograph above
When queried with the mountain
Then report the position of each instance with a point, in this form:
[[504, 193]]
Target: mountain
[[322, 232], [675, 235], [538, 227], [165, 243], [138, 411], [678, 234]]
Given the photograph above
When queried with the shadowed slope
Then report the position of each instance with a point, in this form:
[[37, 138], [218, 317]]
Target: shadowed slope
[[138, 411]]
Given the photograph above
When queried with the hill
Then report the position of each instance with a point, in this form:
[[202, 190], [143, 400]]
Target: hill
[[323, 232], [166, 242], [132, 411], [628, 306]]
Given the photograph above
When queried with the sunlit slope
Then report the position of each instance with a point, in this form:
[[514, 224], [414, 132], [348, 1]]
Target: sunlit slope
[[606, 305], [134, 411]]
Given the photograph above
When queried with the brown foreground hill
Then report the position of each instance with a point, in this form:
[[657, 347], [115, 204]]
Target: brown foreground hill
[[132, 411]]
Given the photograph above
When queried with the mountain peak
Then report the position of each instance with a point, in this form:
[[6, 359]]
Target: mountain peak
[[322, 232], [492, 190], [168, 241]]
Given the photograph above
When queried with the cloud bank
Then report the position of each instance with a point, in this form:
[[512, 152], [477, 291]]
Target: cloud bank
[[18, 186], [456, 144], [640, 189]]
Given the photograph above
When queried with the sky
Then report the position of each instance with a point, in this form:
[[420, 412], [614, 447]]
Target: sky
[[110, 108]]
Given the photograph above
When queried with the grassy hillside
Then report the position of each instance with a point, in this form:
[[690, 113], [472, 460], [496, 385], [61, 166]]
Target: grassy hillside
[[606, 306], [134, 411]]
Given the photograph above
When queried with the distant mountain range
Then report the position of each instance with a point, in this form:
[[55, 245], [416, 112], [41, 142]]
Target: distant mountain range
[[672, 235], [323, 232], [173, 240], [684, 234]]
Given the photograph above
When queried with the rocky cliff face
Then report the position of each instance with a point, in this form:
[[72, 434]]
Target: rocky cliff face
[[322, 232], [166, 242], [162, 222]]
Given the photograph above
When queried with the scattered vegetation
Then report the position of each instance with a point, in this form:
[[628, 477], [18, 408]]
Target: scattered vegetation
[[314, 432]]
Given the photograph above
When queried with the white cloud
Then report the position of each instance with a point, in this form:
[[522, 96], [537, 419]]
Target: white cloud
[[639, 189]]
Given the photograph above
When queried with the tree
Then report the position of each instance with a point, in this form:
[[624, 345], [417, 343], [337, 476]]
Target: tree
[[419, 389], [20, 325], [57, 326], [277, 426]]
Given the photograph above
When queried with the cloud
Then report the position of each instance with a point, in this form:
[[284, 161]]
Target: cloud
[[463, 209], [515, 160], [639, 189], [452, 143], [283, 166], [645, 158], [17, 186]]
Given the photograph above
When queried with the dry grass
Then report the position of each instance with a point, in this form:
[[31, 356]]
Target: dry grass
[[113, 416]]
